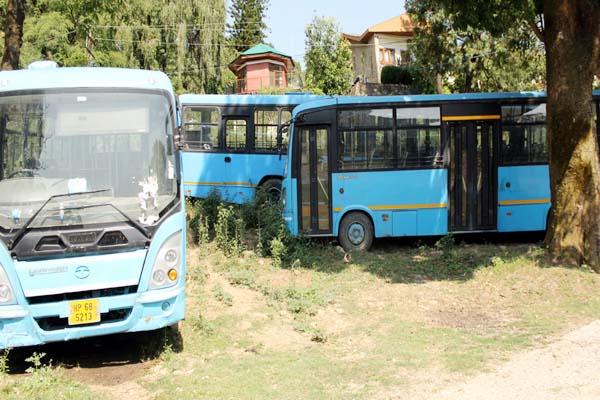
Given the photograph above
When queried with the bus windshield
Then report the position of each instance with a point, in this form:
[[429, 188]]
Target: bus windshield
[[115, 144]]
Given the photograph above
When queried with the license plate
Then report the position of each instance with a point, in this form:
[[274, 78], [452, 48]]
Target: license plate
[[84, 312]]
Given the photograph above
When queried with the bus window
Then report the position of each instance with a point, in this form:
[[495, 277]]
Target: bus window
[[523, 137], [419, 137], [265, 130], [235, 134], [366, 139], [201, 128], [414, 116]]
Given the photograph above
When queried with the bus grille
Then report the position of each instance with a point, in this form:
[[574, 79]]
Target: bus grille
[[56, 323], [87, 294]]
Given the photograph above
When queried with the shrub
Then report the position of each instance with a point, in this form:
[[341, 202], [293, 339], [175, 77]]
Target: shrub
[[397, 75]]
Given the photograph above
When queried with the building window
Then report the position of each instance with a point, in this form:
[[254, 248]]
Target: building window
[[276, 75], [387, 56], [404, 58], [242, 80]]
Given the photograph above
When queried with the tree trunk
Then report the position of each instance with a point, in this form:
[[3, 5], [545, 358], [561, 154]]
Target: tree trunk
[[439, 83], [13, 37], [572, 49]]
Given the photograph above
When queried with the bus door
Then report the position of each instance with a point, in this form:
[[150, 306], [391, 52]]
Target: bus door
[[472, 174], [314, 186]]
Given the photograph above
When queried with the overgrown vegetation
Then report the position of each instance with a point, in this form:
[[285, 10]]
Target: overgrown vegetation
[[44, 381], [256, 226]]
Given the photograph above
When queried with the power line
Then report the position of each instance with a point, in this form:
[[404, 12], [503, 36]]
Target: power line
[[201, 27]]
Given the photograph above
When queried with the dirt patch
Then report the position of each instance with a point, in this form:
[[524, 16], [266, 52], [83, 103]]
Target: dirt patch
[[566, 369], [280, 336], [120, 381]]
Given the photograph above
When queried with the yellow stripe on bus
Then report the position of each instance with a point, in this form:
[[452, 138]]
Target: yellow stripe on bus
[[220, 183], [399, 207], [526, 201], [469, 117]]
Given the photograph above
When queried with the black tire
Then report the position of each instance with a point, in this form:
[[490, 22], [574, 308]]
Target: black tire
[[273, 188], [356, 232]]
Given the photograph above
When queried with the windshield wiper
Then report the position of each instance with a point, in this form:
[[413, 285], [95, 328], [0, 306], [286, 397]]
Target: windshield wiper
[[21, 232], [133, 222]]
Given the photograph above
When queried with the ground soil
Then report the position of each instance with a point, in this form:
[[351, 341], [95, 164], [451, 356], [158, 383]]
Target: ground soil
[[566, 368]]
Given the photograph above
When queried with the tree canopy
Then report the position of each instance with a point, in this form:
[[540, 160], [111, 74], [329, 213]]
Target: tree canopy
[[183, 38], [328, 57], [248, 26], [570, 30], [466, 59]]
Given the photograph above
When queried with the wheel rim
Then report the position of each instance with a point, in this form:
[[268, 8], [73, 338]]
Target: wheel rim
[[274, 193], [356, 233]]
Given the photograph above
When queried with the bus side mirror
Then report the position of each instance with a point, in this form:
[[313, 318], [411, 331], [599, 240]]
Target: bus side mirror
[[177, 139], [282, 129]]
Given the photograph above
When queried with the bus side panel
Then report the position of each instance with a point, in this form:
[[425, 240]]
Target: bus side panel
[[235, 176], [290, 211], [401, 203], [523, 198]]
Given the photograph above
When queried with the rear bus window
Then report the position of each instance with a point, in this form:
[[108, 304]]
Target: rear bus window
[[201, 128]]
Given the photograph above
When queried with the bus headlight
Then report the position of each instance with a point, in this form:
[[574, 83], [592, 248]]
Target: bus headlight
[[6, 293], [167, 266]]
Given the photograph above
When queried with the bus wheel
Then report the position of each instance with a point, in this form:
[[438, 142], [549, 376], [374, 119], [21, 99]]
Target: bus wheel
[[273, 188], [356, 232]]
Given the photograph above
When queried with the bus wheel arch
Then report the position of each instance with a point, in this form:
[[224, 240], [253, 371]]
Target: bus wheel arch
[[356, 231], [272, 185]]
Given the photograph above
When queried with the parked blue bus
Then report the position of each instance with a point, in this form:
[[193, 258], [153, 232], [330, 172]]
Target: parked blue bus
[[232, 145], [91, 218], [361, 168]]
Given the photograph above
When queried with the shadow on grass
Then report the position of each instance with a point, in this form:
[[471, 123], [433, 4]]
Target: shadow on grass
[[420, 260], [99, 352]]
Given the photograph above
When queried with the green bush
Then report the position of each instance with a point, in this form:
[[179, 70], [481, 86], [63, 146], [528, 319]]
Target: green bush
[[403, 75], [257, 225]]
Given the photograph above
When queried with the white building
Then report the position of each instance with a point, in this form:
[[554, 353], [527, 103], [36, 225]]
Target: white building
[[380, 45]]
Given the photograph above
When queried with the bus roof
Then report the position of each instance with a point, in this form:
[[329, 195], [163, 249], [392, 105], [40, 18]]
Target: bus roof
[[420, 98], [247, 99], [83, 77]]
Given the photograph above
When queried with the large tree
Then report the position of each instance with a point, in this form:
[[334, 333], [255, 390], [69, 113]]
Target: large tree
[[328, 57], [570, 30], [248, 26], [13, 33], [183, 38], [471, 59]]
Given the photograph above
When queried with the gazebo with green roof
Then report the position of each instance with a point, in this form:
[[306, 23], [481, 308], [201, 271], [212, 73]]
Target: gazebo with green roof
[[261, 66]]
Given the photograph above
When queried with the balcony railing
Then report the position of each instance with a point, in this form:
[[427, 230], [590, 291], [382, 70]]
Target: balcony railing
[[250, 85]]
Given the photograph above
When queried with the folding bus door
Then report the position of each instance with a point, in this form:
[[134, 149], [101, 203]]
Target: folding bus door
[[472, 187], [314, 183]]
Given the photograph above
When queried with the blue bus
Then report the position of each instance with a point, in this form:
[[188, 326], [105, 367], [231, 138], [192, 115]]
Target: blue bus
[[92, 238], [369, 167], [232, 143]]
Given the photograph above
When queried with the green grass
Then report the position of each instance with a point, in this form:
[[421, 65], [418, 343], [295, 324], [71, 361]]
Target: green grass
[[43, 381], [322, 328]]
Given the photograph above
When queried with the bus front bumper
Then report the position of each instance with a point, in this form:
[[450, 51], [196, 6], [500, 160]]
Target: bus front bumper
[[148, 311]]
